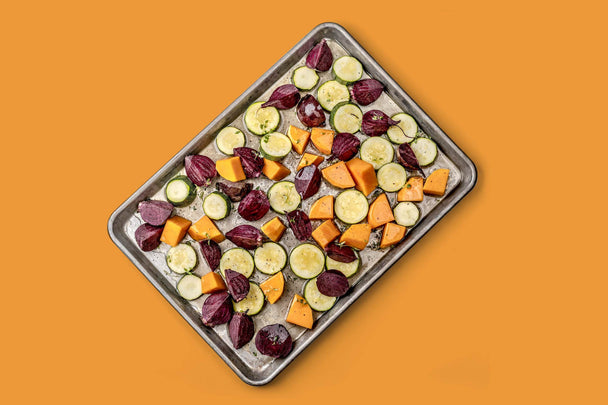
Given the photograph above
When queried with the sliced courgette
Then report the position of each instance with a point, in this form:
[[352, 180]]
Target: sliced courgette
[[306, 261], [239, 260], [347, 69], [331, 93], [351, 206], [180, 191], [217, 205], [270, 258], [346, 117], [406, 213], [304, 78], [228, 139], [377, 151], [315, 299], [425, 151], [262, 121], [275, 146], [283, 197], [392, 177], [348, 269], [190, 287], [181, 258], [404, 131], [253, 303]]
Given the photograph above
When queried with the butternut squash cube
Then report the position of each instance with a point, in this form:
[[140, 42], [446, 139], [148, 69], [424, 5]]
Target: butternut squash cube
[[300, 312], [204, 229], [230, 169], [325, 233], [174, 231]]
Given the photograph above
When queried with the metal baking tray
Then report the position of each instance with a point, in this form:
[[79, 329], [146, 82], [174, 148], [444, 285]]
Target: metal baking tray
[[250, 366]]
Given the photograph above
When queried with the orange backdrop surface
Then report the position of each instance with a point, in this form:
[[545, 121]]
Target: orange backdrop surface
[[504, 301]]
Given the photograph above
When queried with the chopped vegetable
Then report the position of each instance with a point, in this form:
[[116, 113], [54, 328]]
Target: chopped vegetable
[[239, 260], [304, 78], [346, 117], [283, 197], [407, 158], [180, 191], [261, 121], [412, 191], [351, 206], [299, 224], [204, 229], [306, 261], [228, 139], [212, 282], [254, 206], [253, 303], [217, 205], [309, 112], [274, 341], [155, 212], [342, 254], [376, 123], [175, 230], [437, 182], [274, 229], [392, 234], [332, 93], [211, 252], [380, 212], [299, 138], [148, 236], [300, 312], [231, 169], [404, 131], [273, 287], [235, 192], [332, 283], [363, 174], [377, 151], [391, 177], [347, 69], [348, 269], [200, 169], [275, 170], [366, 91], [315, 299], [275, 146], [251, 161], [406, 214], [320, 57], [181, 258], [325, 233], [345, 146], [323, 139], [283, 97], [270, 258], [425, 150], [309, 159], [308, 181], [189, 287], [216, 309], [356, 236], [323, 208], [240, 329], [238, 285], [338, 175], [246, 236]]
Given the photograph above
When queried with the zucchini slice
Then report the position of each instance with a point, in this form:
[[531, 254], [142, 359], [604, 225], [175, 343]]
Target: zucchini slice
[[261, 121], [217, 205], [304, 78], [239, 260], [253, 303], [190, 287], [392, 177], [283, 197], [346, 117], [181, 258], [228, 139], [404, 131], [180, 191], [347, 69], [307, 261], [275, 146], [315, 299], [331, 93], [425, 150], [406, 213], [351, 206], [348, 269], [270, 258], [377, 151]]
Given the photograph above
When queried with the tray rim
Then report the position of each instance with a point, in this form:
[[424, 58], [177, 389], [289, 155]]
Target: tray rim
[[437, 214]]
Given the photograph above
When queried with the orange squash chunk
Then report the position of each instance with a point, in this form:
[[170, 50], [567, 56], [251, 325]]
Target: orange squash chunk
[[391, 234], [437, 182], [323, 139], [204, 229], [230, 169], [299, 138], [300, 312], [363, 174], [323, 208], [412, 191], [274, 229], [309, 159], [212, 282], [338, 175], [356, 236], [174, 231], [380, 212], [325, 233], [274, 170], [273, 287]]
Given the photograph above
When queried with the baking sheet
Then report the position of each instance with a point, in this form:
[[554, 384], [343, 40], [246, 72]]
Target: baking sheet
[[251, 366]]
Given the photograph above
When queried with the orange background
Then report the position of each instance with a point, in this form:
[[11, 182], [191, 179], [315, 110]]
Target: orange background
[[503, 302]]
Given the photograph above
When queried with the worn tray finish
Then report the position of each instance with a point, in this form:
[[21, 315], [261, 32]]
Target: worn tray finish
[[259, 370]]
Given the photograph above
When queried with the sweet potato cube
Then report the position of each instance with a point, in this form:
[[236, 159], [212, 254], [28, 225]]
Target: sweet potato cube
[[412, 191], [356, 236], [380, 212], [338, 175], [274, 229], [274, 170], [212, 282], [363, 174], [204, 229], [230, 169], [300, 312], [175, 229], [299, 138], [323, 139], [273, 287], [323, 208], [437, 182], [392, 234], [309, 159], [325, 233]]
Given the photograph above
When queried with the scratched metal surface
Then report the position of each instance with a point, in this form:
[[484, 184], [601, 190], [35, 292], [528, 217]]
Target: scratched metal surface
[[251, 366]]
